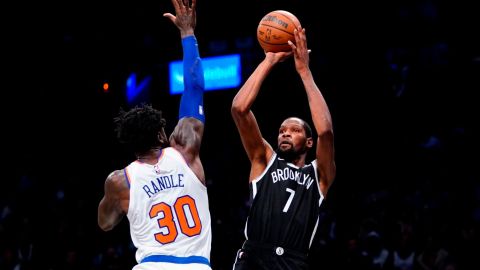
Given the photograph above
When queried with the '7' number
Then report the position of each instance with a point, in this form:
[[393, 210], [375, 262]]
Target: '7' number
[[289, 201]]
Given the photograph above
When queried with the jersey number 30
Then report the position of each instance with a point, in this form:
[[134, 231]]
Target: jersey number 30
[[180, 207]]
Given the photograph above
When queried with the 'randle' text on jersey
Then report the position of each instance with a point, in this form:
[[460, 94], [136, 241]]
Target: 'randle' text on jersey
[[163, 182], [289, 174]]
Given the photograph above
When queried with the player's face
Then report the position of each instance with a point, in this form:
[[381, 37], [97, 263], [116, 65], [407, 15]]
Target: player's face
[[292, 140]]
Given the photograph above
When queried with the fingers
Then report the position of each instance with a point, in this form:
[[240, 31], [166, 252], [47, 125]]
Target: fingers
[[187, 5], [169, 16], [181, 6], [176, 5], [193, 10], [292, 45], [300, 37]]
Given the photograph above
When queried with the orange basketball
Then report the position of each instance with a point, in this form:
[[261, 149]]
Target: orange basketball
[[276, 29]]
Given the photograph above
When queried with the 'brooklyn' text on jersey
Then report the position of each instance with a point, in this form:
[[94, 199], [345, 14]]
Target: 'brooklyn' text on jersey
[[288, 174]]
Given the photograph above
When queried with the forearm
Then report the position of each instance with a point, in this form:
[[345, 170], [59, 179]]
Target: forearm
[[191, 104], [252, 140], [249, 91], [108, 216], [321, 117]]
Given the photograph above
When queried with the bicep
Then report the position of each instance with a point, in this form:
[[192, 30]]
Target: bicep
[[109, 195]]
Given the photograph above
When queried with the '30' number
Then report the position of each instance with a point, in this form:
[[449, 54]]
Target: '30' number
[[183, 206]]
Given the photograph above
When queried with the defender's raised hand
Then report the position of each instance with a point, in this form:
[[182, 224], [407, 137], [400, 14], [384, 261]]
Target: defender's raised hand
[[185, 17]]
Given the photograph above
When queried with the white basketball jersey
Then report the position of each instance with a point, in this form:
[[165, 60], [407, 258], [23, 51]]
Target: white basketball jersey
[[169, 212]]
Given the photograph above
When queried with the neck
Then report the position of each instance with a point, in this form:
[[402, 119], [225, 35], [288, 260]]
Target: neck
[[299, 162], [291, 157], [151, 156]]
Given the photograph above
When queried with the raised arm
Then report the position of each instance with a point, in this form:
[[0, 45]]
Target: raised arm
[[114, 204], [187, 135], [259, 151], [325, 154]]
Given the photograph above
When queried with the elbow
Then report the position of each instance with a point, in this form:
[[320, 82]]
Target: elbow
[[104, 226], [324, 126], [238, 110], [325, 133], [105, 223]]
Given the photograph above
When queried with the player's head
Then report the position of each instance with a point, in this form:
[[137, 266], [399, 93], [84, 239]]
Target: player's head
[[294, 138], [141, 128]]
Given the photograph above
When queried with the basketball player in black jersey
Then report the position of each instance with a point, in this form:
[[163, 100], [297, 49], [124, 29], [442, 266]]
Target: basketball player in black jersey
[[286, 190]]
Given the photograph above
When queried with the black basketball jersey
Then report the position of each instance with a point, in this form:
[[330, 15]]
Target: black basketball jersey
[[286, 205]]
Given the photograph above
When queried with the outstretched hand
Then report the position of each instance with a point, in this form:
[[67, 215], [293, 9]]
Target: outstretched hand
[[300, 50], [185, 17]]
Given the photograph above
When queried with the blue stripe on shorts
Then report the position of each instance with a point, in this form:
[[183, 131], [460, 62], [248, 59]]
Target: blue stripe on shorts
[[174, 259]]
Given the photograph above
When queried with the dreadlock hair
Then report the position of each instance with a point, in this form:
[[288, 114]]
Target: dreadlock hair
[[138, 128]]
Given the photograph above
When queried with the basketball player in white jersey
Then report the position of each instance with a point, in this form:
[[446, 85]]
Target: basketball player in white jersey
[[286, 190], [163, 192]]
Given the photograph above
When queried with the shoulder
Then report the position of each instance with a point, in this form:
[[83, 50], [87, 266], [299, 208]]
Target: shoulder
[[311, 167], [272, 163], [115, 175], [116, 179], [174, 152]]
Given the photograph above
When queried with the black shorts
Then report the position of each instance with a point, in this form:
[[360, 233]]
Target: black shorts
[[259, 256]]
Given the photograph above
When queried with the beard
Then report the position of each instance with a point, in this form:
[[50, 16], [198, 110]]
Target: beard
[[288, 154]]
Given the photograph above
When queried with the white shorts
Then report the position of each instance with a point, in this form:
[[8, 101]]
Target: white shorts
[[171, 266]]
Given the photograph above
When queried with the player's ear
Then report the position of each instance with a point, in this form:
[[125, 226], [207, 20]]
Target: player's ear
[[162, 137], [309, 142]]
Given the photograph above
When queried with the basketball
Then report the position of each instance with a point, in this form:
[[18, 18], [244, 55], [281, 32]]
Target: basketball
[[276, 29]]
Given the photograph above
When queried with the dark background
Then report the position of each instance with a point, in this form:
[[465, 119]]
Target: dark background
[[399, 76]]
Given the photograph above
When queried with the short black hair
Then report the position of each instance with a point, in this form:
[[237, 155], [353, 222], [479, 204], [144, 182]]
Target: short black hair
[[306, 126], [308, 129], [138, 128]]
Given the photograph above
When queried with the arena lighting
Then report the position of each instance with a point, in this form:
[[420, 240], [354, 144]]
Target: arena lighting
[[106, 86], [136, 91], [221, 73]]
